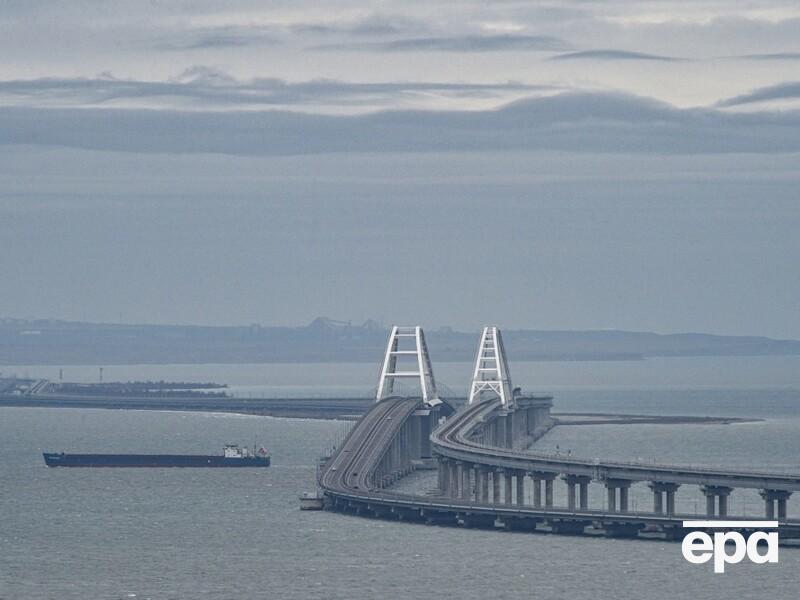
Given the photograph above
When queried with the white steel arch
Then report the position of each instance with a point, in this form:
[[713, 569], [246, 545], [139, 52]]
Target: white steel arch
[[491, 369], [416, 349]]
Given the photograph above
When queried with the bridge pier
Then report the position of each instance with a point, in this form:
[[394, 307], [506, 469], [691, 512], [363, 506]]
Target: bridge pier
[[712, 492], [449, 478], [425, 428], [508, 485], [580, 482], [537, 490], [584, 493], [623, 485], [501, 430], [464, 482], [452, 479], [659, 489], [520, 476], [570, 493], [495, 487], [538, 477], [770, 498], [483, 484]]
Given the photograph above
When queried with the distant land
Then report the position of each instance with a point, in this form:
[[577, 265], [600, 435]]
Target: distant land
[[55, 342]]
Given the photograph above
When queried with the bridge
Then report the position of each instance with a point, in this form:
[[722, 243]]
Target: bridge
[[489, 473]]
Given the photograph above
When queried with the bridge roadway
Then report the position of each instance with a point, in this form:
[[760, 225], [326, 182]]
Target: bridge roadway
[[452, 440], [349, 483], [351, 469]]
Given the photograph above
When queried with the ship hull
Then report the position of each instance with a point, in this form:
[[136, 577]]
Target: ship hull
[[151, 460]]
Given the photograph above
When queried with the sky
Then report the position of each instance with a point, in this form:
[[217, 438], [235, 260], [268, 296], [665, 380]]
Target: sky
[[582, 164]]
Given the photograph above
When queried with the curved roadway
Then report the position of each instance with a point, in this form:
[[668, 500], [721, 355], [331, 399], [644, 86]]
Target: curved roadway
[[348, 475], [452, 440]]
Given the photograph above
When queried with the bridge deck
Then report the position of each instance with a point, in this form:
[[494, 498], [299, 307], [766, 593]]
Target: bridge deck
[[452, 440], [347, 480]]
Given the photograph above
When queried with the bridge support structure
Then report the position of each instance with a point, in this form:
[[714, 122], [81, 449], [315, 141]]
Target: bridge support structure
[[538, 477], [491, 369], [520, 479], [660, 488], [771, 497], [612, 485], [407, 358], [578, 483], [716, 499]]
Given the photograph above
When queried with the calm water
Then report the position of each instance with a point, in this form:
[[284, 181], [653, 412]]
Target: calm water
[[162, 533]]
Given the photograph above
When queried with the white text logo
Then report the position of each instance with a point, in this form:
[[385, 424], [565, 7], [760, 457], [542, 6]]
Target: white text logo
[[699, 547]]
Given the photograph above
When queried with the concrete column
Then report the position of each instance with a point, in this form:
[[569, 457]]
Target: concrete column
[[710, 505], [612, 485], [414, 437], [459, 483], [440, 472], [537, 491], [464, 484], [572, 482], [538, 477], [712, 492], [623, 499], [507, 486], [771, 497], [723, 505], [500, 438], [671, 502], [495, 486], [659, 489], [520, 487], [483, 484], [658, 498], [425, 434], [612, 499], [473, 482], [781, 509], [403, 448]]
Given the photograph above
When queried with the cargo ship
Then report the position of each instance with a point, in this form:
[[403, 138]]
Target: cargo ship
[[232, 456]]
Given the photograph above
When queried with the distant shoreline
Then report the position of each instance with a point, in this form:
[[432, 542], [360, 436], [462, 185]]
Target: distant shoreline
[[59, 343], [346, 409]]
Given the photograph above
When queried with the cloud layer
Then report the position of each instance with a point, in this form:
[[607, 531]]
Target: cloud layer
[[201, 87], [609, 54], [464, 43], [581, 122], [782, 91]]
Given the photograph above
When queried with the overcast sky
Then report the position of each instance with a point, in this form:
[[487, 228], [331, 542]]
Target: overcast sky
[[576, 164]]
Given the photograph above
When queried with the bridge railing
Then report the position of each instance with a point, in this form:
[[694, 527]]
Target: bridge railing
[[461, 431]]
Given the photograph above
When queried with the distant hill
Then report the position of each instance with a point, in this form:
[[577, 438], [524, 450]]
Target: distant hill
[[326, 340]]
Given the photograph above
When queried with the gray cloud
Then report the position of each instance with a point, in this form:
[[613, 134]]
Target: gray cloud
[[220, 37], [583, 122], [782, 91], [464, 43], [773, 56], [212, 88], [613, 55], [373, 25]]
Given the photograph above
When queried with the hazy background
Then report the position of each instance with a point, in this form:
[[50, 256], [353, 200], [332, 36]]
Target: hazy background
[[592, 164]]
